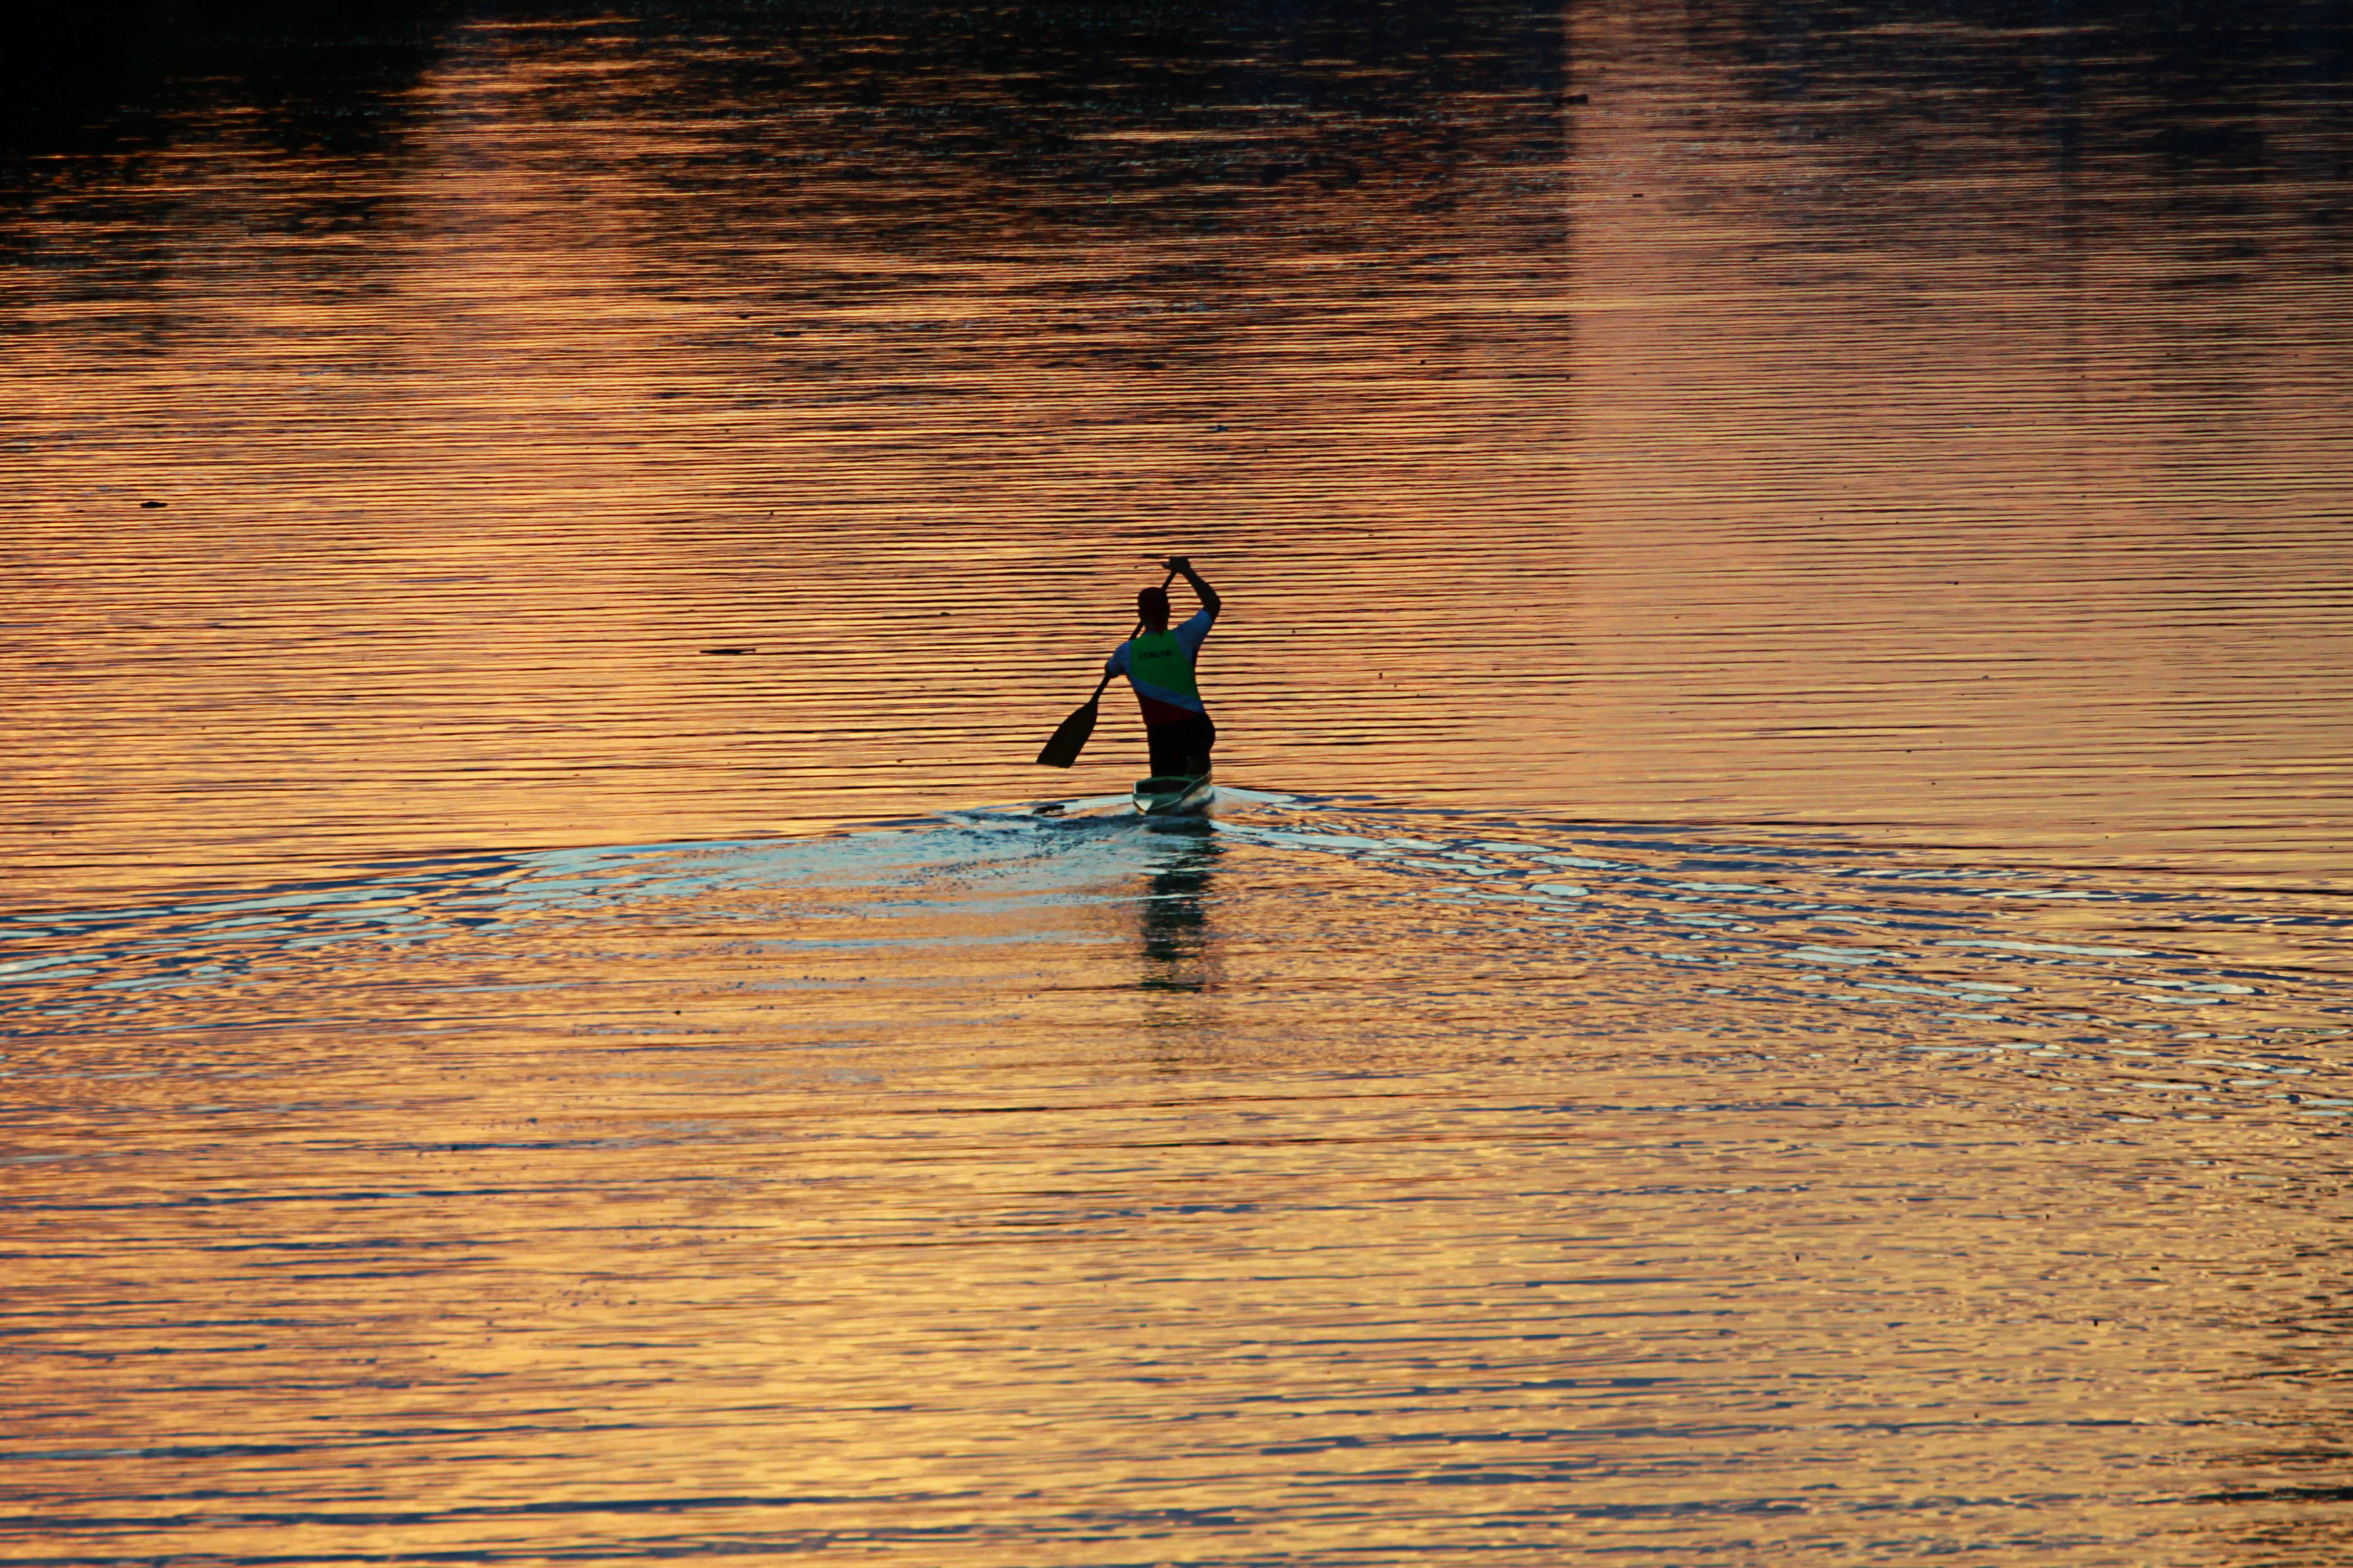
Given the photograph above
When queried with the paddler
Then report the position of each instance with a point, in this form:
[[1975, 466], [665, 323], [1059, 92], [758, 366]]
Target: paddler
[[1158, 663]]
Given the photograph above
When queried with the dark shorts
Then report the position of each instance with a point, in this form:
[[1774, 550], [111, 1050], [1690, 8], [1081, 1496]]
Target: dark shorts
[[1181, 748]]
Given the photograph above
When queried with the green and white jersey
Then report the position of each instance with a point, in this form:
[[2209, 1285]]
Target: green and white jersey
[[1159, 666]]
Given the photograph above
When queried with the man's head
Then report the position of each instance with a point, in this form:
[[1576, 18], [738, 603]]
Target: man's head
[[1152, 605]]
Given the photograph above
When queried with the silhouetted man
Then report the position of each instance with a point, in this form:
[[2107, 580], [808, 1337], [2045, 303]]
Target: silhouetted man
[[1158, 663]]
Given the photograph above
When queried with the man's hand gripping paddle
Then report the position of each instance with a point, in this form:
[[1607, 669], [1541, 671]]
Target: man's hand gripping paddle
[[1069, 741]]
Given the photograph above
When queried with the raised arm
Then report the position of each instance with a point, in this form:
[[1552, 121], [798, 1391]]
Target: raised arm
[[1183, 567]]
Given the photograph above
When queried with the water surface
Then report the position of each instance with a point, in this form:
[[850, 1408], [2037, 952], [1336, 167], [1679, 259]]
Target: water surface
[[1769, 984]]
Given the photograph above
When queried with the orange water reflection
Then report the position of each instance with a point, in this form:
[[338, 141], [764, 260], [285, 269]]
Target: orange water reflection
[[1811, 438], [1816, 485], [997, 1193]]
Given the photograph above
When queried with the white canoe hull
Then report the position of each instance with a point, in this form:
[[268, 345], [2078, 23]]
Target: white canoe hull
[[1174, 796]]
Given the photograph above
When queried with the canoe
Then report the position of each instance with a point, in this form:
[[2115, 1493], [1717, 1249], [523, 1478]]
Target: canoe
[[1174, 795]]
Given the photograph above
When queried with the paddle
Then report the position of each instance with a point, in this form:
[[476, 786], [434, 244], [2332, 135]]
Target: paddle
[[1069, 741]]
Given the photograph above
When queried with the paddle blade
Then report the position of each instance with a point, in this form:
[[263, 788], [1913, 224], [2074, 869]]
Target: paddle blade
[[1069, 741]]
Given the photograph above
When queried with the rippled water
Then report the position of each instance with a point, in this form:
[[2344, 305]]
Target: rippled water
[[1769, 982]]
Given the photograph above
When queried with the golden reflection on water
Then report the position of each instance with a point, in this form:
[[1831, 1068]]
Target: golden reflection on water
[[1681, 455], [1810, 440], [1011, 1191]]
